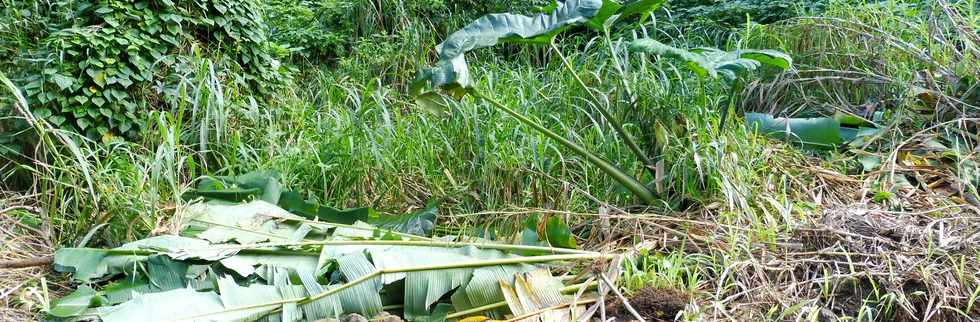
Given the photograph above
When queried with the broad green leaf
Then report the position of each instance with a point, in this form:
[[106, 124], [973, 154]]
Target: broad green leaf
[[419, 223], [234, 295], [290, 311], [294, 203], [125, 289], [89, 264], [451, 73], [712, 62], [248, 223], [819, 132], [263, 185], [246, 264], [551, 231], [362, 298], [612, 12], [327, 307], [75, 303], [490, 29], [182, 304], [559, 235], [166, 274], [63, 82]]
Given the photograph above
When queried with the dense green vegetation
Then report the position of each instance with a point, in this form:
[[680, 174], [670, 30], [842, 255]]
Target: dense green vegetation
[[764, 160]]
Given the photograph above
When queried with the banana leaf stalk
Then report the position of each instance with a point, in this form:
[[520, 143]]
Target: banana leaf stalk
[[509, 247], [385, 231]]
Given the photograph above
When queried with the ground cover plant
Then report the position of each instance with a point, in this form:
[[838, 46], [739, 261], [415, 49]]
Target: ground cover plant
[[586, 159]]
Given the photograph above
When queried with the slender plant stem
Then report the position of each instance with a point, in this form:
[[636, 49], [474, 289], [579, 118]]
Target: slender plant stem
[[728, 107], [648, 162], [626, 180], [600, 106]]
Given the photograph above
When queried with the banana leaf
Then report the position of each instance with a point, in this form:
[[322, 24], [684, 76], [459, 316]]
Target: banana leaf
[[821, 132], [713, 62], [451, 73]]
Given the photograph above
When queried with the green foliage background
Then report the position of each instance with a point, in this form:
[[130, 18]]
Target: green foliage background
[[94, 66]]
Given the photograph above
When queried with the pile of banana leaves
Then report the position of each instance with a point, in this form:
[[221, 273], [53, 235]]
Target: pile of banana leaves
[[252, 260]]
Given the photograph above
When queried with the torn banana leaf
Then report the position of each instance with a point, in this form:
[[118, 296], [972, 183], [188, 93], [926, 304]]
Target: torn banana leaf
[[93, 264], [451, 73], [713, 62]]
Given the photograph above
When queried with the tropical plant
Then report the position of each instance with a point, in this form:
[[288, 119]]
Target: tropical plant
[[253, 260], [452, 75], [713, 63]]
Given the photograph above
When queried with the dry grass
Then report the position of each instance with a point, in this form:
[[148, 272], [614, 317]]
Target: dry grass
[[22, 295]]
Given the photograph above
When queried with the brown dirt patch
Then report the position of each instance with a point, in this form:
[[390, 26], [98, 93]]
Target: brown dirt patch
[[654, 304]]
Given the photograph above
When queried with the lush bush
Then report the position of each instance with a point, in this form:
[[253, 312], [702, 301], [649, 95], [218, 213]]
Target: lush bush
[[105, 62], [324, 31], [730, 13]]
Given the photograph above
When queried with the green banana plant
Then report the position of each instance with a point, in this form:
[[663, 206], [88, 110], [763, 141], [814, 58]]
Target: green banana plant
[[451, 75], [713, 63]]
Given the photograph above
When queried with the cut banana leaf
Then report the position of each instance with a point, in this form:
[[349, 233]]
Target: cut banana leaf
[[821, 132], [262, 185], [91, 264], [77, 302]]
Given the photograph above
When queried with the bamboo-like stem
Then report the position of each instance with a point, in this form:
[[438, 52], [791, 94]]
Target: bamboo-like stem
[[379, 272], [616, 125], [477, 309], [626, 180]]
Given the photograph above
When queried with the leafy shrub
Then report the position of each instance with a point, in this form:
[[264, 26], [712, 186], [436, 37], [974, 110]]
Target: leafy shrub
[[109, 55], [317, 29], [731, 13]]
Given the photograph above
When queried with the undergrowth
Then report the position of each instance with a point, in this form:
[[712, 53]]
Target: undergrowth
[[756, 229]]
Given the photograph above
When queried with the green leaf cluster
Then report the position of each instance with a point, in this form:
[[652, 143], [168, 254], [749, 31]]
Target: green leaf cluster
[[111, 58], [715, 63]]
